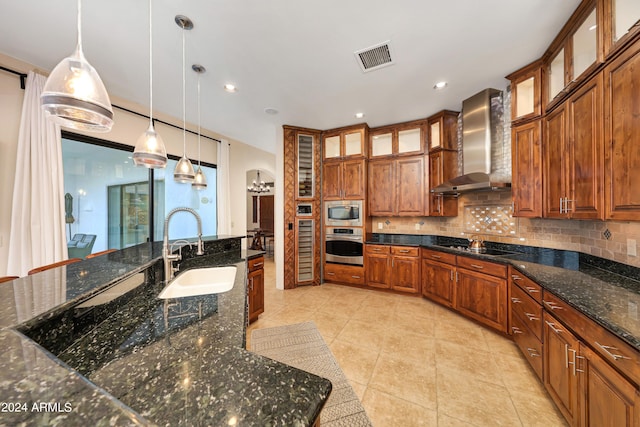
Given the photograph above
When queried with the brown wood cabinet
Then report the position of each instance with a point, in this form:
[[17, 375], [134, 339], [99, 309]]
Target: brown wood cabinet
[[622, 136], [397, 187], [560, 351], [438, 276], [342, 273], [481, 292], [393, 267], [526, 91], [402, 139], [443, 165], [255, 287], [344, 180], [345, 143], [526, 182], [442, 130], [574, 156]]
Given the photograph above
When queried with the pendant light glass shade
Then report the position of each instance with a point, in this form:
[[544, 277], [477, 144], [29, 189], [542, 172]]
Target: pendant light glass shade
[[184, 172], [150, 150], [200, 181], [74, 95]]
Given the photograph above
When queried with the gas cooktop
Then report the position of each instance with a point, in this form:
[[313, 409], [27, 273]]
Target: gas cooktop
[[482, 251]]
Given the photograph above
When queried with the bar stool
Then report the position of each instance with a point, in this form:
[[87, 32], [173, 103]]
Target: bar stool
[[54, 265], [8, 278], [95, 254]]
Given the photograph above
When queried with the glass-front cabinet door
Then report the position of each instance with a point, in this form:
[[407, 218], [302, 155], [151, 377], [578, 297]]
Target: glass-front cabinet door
[[410, 141], [624, 21], [381, 144], [305, 166], [353, 143], [585, 45], [556, 75], [332, 147]]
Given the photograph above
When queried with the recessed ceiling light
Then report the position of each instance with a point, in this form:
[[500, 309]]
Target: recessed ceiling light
[[271, 111], [359, 115], [440, 85], [230, 88]]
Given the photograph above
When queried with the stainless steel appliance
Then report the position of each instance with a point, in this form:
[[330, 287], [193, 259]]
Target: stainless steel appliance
[[344, 245], [304, 209], [343, 213]]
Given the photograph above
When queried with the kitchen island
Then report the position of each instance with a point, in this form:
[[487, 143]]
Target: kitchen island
[[107, 351]]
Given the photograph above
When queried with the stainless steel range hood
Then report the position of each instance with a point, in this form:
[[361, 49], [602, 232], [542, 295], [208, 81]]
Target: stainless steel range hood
[[482, 137]]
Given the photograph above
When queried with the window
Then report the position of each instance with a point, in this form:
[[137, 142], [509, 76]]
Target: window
[[110, 196]]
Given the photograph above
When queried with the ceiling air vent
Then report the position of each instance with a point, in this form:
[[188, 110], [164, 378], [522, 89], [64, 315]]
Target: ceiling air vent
[[374, 57]]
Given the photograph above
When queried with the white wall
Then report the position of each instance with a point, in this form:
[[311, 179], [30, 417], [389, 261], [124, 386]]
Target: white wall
[[126, 129]]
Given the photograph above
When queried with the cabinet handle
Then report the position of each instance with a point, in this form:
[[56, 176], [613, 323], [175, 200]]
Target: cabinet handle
[[404, 251], [355, 277], [516, 330], [479, 267], [516, 277], [532, 352], [258, 264], [532, 317], [516, 300], [531, 290], [561, 209], [553, 327], [614, 356], [552, 305], [435, 256], [377, 250], [566, 205], [331, 274], [574, 368]]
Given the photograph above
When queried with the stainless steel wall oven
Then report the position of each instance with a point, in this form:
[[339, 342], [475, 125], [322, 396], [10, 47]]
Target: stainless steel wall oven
[[344, 245]]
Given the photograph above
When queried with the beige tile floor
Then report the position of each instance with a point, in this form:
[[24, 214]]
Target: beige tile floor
[[413, 362]]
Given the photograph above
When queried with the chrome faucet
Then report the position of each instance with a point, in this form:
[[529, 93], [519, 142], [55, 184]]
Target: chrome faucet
[[169, 257]]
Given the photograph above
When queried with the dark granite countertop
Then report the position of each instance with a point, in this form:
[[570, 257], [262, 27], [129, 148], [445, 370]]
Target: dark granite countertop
[[605, 291], [128, 358]]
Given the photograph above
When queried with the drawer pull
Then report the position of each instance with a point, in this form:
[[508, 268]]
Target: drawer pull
[[516, 330], [516, 277], [355, 277], [553, 327], [516, 300], [532, 317], [377, 250], [479, 267], [532, 352], [435, 256], [331, 274], [531, 290], [258, 264], [404, 251], [606, 349], [552, 305]]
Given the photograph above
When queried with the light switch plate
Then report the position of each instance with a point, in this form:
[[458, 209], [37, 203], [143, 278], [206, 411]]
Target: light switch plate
[[631, 247], [380, 226]]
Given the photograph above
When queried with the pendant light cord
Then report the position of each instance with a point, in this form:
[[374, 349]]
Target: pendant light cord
[[79, 24], [199, 155], [184, 102], [150, 64]]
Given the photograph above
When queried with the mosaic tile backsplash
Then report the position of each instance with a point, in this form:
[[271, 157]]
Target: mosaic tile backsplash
[[490, 219]]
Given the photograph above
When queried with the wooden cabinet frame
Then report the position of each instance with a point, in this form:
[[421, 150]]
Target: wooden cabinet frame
[[395, 130], [362, 129]]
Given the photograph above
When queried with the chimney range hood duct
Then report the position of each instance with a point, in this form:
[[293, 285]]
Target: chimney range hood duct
[[481, 135]]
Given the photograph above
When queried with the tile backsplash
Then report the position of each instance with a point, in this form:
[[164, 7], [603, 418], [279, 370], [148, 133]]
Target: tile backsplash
[[488, 209]]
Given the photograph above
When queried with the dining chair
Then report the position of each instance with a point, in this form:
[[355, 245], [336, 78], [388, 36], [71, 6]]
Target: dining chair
[[54, 265]]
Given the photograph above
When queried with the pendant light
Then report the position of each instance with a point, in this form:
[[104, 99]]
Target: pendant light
[[74, 96], [184, 172], [200, 180], [258, 186], [150, 150]]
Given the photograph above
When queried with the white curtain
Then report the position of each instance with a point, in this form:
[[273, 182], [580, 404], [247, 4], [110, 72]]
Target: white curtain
[[37, 215], [224, 201]]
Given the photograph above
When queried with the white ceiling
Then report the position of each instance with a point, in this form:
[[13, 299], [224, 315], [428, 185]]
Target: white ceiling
[[292, 55]]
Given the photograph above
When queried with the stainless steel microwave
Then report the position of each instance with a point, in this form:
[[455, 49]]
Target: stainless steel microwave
[[343, 213]]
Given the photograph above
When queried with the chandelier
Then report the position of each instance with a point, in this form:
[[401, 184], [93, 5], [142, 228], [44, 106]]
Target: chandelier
[[258, 186]]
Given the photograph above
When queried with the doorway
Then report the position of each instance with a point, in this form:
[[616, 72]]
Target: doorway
[[260, 210]]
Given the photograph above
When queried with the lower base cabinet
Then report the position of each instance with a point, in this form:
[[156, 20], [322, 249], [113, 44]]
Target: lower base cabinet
[[342, 273], [393, 267], [438, 276], [255, 287]]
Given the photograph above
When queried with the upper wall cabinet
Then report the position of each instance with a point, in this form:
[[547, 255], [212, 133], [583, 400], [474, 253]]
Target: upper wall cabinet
[[397, 140], [443, 130], [525, 91], [622, 21], [345, 143], [575, 52]]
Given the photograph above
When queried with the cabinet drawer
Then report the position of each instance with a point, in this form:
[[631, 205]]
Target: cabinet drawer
[[445, 257], [482, 266], [527, 309], [528, 343], [344, 273], [255, 263], [405, 250], [532, 288], [619, 354], [377, 249]]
